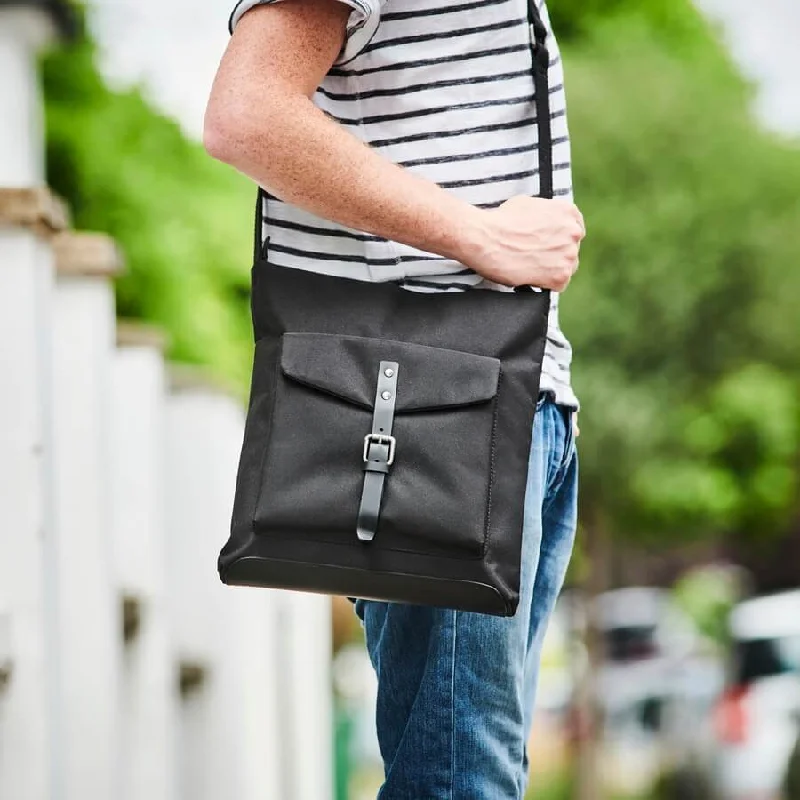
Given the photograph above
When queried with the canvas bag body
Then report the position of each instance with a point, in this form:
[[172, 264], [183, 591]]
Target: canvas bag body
[[441, 500]]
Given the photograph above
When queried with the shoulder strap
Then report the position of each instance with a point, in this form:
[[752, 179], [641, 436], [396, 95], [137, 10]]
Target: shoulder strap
[[258, 225], [541, 65], [541, 82]]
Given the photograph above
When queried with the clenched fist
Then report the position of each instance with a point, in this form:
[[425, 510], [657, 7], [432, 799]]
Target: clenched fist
[[528, 241]]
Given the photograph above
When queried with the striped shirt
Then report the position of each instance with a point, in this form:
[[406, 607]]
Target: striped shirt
[[444, 88]]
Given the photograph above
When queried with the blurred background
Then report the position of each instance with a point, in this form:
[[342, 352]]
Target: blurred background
[[672, 666]]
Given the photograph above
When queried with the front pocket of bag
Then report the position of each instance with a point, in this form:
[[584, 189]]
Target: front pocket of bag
[[437, 494]]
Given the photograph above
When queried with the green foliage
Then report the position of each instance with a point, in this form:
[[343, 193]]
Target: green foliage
[[707, 595], [675, 20], [556, 787], [683, 315], [562, 787], [180, 218]]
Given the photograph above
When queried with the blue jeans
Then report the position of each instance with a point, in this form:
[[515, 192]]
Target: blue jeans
[[456, 689]]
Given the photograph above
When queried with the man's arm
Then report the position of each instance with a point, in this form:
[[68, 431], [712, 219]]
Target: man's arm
[[262, 121]]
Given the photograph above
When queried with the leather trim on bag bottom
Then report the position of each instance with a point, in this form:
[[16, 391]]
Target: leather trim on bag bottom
[[280, 574]]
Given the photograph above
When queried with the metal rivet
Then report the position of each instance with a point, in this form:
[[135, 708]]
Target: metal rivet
[[389, 372], [386, 395]]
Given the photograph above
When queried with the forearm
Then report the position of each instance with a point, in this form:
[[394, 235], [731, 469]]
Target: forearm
[[308, 159]]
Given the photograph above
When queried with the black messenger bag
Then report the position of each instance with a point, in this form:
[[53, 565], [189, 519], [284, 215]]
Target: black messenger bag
[[387, 440]]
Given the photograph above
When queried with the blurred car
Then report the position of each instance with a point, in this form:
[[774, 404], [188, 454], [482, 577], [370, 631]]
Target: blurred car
[[642, 623], [758, 717], [657, 687]]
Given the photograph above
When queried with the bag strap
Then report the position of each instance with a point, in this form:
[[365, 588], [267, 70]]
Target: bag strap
[[540, 67], [258, 225], [541, 82]]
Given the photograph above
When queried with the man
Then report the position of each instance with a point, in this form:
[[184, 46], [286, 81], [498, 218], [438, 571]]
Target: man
[[398, 142]]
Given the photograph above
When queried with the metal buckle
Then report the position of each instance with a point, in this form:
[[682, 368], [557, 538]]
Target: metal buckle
[[380, 438]]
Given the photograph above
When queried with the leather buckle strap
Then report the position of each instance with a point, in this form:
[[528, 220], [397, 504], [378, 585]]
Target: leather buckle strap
[[379, 451], [379, 438]]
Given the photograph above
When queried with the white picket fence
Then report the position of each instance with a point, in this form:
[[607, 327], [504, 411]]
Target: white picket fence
[[126, 669]]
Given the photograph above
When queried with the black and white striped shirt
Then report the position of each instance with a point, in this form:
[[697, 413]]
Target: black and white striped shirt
[[444, 88]]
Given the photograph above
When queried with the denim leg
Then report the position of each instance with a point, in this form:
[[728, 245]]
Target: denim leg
[[559, 522], [453, 686]]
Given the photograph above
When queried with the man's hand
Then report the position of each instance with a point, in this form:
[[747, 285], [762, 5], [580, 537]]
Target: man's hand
[[529, 242]]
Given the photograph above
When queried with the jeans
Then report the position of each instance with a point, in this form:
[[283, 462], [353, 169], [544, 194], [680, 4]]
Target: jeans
[[456, 689]]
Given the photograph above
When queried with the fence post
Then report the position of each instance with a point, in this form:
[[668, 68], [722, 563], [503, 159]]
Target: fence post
[[149, 686], [89, 617], [230, 738], [306, 650], [29, 738], [24, 30], [29, 765]]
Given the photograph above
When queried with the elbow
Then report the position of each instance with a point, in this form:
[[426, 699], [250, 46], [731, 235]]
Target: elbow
[[231, 131], [215, 138], [222, 134], [240, 126]]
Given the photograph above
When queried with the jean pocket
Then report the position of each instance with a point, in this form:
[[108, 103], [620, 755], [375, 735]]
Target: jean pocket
[[543, 398], [569, 436]]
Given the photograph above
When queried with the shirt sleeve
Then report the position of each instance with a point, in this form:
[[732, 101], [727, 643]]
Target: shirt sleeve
[[361, 25]]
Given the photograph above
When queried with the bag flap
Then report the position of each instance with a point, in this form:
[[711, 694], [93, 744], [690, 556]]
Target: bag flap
[[428, 377]]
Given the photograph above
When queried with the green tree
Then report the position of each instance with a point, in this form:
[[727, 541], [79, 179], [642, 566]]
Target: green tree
[[678, 23], [181, 219], [684, 312]]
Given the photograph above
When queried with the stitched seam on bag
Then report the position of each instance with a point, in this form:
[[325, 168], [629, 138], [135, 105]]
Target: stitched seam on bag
[[263, 465], [492, 455], [419, 552]]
